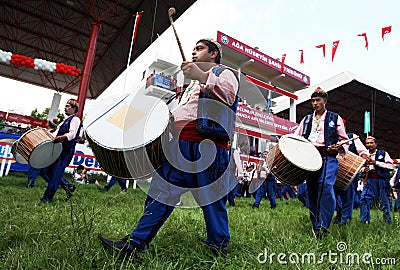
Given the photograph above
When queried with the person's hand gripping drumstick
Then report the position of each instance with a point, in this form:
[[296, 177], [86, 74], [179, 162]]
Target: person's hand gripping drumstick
[[192, 71], [332, 149], [60, 139]]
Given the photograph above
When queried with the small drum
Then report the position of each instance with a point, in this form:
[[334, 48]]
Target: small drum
[[126, 134], [294, 159], [18, 157], [348, 169], [36, 146]]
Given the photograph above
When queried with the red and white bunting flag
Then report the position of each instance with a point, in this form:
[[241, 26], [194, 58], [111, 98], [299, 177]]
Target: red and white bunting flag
[[283, 62], [365, 38], [335, 44], [323, 48], [301, 56], [135, 27], [386, 30]]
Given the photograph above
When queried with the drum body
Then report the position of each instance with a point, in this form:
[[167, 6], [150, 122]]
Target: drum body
[[294, 160], [349, 166], [36, 146], [18, 157], [126, 134]]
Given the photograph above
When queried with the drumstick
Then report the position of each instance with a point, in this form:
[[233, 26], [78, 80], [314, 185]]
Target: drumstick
[[171, 11], [346, 141]]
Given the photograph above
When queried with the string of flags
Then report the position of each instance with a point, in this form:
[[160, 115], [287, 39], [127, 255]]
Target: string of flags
[[335, 45], [38, 64]]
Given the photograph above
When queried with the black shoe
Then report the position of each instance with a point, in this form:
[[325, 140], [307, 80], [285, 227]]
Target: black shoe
[[218, 251], [124, 247], [337, 219], [321, 234], [254, 206], [103, 189], [69, 195], [72, 188]]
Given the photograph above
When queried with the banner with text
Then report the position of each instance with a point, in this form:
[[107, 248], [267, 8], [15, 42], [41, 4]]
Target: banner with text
[[269, 122]]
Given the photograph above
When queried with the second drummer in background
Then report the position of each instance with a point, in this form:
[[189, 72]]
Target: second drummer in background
[[324, 129], [67, 133]]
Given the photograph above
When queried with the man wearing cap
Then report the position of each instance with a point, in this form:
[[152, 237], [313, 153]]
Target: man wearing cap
[[67, 133], [193, 163], [377, 185], [324, 129]]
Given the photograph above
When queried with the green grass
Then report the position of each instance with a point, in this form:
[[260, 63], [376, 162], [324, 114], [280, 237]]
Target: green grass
[[63, 235]]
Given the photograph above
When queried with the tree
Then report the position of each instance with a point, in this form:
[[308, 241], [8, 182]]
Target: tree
[[43, 115]]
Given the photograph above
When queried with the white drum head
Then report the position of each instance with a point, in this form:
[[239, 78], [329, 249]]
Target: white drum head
[[20, 159], [45, 154], [300, 152], [135, 121]]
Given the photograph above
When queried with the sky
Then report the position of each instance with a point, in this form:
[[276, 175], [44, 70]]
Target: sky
[[276, 27]]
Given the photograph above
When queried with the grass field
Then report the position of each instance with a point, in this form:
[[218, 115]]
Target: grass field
[[63, 235]]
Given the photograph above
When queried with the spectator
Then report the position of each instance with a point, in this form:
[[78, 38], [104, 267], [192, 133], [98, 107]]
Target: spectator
[[81, 176]]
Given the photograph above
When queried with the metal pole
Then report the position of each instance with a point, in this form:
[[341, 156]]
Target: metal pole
[[88, 67]]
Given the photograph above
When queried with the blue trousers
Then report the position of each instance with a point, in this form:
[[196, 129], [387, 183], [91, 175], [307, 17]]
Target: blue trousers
[[33, 173], [121, 182], [54, 173], [378, 190], [232, 194], [397, 203], [279, 187], [267, 187], [357, 199], [174, 178], [288, 189], [321, 196], [302, 194], [345, 201]]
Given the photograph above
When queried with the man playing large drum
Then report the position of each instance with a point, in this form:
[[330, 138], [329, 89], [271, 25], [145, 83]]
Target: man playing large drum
[[191, 164], [325, 130], [67, 133]]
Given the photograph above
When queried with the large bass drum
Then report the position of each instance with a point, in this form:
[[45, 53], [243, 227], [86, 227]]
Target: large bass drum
[[349, 167], [37, 148], [126, 133], [294, 159]]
